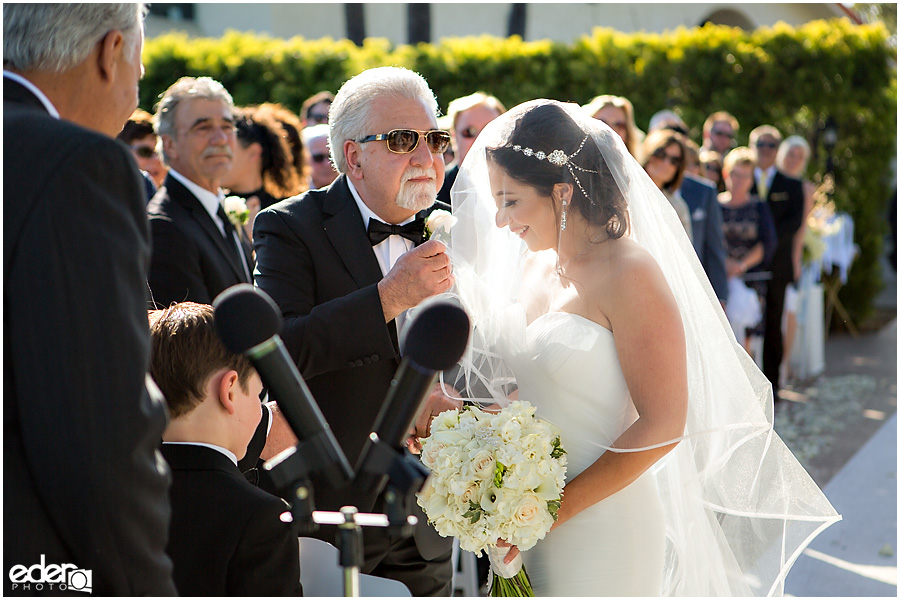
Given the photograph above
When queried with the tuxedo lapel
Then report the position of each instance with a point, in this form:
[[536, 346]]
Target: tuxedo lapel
[[345, 230], [184, 197]]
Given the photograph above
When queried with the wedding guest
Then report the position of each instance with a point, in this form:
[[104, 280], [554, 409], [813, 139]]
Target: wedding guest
[[700, 196], [227, 537], [292, 127], [691, 158], [263, 170], [196, 251], [343, 278], [749, 240], [618, 113], [720, 132], [662, 156], [711, 167], [784, 195], [468, 115], [83, 482], [314, 110], [139, 136], [315, 144], [792, 158]]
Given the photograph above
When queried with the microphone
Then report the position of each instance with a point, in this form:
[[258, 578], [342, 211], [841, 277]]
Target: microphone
[[248, 322], [435, 342]]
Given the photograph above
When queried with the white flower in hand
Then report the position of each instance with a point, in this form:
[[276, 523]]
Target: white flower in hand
[[439, 221]]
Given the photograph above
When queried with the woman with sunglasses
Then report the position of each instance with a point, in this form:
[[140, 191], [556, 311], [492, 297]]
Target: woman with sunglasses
[[662, 156], [618, 113]]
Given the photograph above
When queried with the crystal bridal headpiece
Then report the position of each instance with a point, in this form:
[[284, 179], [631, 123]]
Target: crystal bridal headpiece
[[559, 158]]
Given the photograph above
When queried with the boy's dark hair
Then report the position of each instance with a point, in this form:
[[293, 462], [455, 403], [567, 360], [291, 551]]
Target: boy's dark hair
[[186, 351]]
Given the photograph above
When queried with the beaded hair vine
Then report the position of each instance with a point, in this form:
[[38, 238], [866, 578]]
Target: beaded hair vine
[[559, 159]]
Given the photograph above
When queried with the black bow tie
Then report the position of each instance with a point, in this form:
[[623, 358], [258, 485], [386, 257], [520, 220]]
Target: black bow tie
[[378, 231]]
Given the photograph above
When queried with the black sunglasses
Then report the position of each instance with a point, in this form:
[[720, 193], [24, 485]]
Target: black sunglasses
[[766, 145], [318, 117], [725, 134], [317, 158], [662, 155], [404, 141], [144, 151]]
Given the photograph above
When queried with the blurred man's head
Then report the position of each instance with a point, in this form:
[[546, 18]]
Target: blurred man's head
[[318, 157], [469, 115]]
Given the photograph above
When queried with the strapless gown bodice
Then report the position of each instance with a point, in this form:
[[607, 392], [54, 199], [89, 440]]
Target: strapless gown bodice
[[567, 367]]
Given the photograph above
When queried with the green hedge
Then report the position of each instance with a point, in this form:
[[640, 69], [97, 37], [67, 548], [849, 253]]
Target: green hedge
[[792, 78]]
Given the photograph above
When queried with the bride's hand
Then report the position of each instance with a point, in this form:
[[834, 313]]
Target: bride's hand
[[513, 551]]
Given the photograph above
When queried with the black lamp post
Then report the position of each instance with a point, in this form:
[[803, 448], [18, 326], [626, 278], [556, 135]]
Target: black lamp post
[[829, 140]]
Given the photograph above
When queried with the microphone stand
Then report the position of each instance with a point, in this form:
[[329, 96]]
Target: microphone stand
[[405, 475]]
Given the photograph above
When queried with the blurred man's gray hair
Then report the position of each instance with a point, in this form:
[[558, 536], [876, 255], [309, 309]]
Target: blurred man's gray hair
[[349, 113], [58, 37], [186, 88]]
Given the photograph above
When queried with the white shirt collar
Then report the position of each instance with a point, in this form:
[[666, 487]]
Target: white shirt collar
[[770, 172], [231, 456], [210, 201], [34, 90]]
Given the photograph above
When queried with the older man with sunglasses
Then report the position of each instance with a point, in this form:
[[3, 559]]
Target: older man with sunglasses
[[344, 263]]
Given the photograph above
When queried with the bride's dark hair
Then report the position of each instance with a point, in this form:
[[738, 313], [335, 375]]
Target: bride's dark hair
[[547, 128]]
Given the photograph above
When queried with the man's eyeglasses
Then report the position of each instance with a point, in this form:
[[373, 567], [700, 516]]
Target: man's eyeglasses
[[724, 134], [770, 145], [404, 141], [318, 118], [317, 158], [661, 154], [144, 151]]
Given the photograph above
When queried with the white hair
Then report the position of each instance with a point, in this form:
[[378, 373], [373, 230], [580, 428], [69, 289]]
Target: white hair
[[186, 88], [349, 113], [792, 141], [314, 132], [59, 37]]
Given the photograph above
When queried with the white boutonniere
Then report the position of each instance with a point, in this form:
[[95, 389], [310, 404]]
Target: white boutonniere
[[236, 209], [439, 222]]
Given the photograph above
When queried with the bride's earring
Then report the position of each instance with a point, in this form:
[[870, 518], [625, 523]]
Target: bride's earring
[[562, 219]]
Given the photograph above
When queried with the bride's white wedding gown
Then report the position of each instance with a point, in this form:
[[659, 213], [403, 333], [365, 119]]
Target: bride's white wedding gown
[[568, 368]]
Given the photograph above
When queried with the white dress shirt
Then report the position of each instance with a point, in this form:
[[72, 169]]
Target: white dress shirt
[[392, 248], [231, 456]]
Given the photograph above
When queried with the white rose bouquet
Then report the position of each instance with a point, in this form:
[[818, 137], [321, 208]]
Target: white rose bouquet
[[494, 476]]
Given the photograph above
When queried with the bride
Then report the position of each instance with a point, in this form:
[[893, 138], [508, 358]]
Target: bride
[[588, 301]]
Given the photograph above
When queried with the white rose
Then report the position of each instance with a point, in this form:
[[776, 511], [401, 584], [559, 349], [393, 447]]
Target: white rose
[[510, 431], [531, 512], [431, 450], [440, 220], [483, 464], [234, 204], [446, 420], [449, 437]]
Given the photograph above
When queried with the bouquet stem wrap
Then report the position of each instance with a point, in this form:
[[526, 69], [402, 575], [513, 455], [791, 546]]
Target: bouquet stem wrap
[[508, 580]]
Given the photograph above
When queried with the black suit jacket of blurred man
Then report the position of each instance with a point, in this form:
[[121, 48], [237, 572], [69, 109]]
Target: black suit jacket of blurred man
[[83, 481]]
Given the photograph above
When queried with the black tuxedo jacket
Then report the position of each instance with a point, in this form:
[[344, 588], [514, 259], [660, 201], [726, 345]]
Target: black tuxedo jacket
[[190, 260], [785, 200], [706, 226], [83, 482], [315, 260], [227, 537]]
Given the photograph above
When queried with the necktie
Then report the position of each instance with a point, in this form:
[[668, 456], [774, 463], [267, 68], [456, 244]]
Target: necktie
[[378, 231], [762, 186], [230, 236]]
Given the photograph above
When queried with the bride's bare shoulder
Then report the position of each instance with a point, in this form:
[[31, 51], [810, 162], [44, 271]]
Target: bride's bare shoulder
[[628, 274]]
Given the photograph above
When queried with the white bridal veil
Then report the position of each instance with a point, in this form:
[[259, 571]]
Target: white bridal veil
[[739, 508]]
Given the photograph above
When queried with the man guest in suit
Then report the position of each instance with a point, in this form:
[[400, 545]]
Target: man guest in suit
[[343, 264], [227, 537], [197, 252], [84, 484], [784, 195]]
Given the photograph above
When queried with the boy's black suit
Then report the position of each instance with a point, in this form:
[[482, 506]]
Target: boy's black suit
[[227, 537]]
